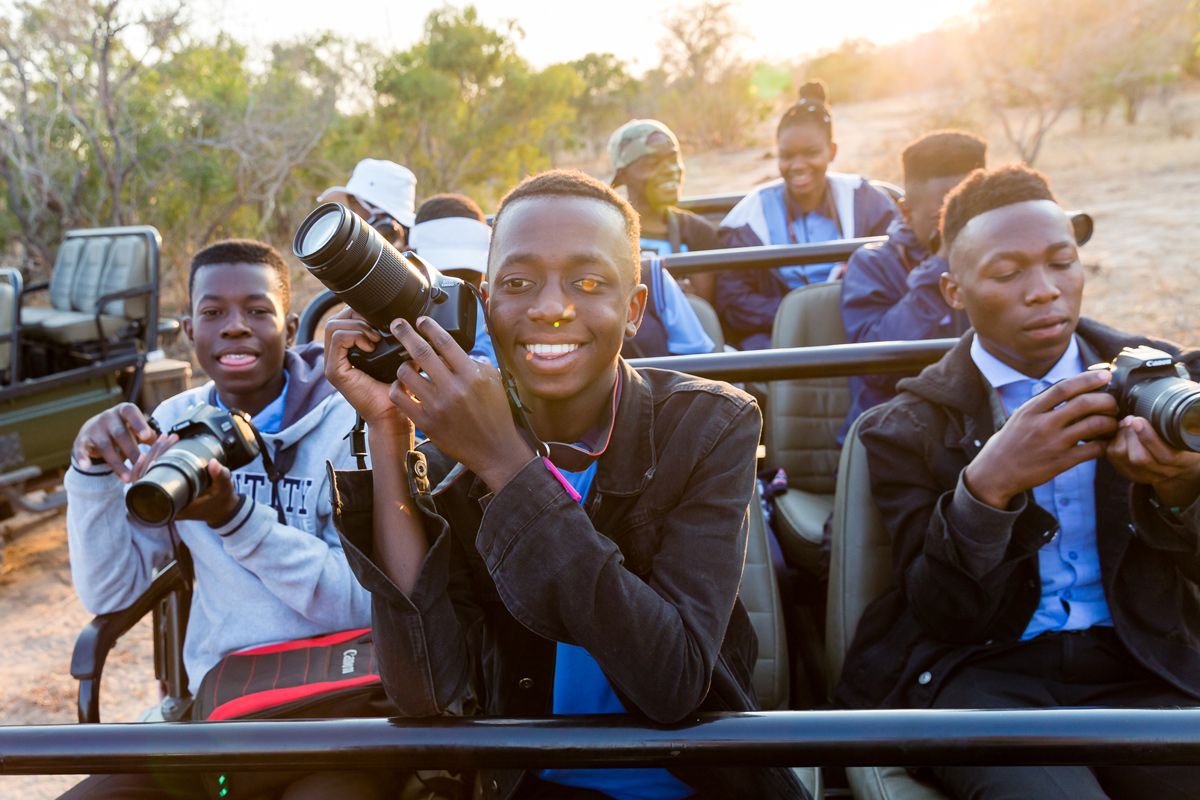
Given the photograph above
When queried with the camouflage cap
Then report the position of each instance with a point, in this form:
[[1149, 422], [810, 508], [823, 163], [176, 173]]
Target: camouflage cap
[[633, 140]]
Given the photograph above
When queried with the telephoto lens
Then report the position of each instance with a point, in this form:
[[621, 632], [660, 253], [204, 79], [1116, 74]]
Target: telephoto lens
[[362, 268], [180, 475]]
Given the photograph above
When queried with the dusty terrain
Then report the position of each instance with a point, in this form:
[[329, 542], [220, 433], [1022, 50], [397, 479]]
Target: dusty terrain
[[1140, 184]]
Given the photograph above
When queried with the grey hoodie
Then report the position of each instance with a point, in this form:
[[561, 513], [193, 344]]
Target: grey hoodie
[[258, 581]]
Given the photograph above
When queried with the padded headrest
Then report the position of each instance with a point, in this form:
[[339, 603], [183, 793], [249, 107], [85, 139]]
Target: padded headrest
[[86, 287], [127, 268], [7, 294], [62, 276], [804, 416], [810, 316]]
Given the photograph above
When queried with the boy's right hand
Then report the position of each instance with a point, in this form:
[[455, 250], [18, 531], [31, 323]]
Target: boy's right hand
[[369, 397], [114, 436], [1058, 429]]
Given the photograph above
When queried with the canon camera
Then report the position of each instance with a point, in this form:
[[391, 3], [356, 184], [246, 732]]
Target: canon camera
[[1149, 383], [366, 273], [180, 474]]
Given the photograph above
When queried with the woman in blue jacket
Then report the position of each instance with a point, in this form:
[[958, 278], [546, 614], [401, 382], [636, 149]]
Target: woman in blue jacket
[[806, 204]]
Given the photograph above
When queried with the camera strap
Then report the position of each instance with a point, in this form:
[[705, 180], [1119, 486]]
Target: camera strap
[[275, 471]]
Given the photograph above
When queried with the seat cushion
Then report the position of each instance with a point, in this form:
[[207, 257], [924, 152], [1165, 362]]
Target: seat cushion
[[33, 316], [889, 783], [760, 595], [811, 778], [75, 327], [800, 522], [709, 321]]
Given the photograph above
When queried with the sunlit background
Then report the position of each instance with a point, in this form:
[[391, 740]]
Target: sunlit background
[[554, 32]]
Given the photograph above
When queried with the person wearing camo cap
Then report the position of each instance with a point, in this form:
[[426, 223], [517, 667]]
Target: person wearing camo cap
[[646, 161]]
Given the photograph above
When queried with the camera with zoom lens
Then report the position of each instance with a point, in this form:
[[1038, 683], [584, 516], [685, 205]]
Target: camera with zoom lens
[[362, 268], [180, 474], [1149, 383]]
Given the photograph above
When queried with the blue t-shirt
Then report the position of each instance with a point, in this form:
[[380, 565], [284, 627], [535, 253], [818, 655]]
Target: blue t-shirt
[[580, 687]]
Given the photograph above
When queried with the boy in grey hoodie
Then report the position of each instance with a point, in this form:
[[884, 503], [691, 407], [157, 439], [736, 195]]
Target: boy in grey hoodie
[[269, 566]]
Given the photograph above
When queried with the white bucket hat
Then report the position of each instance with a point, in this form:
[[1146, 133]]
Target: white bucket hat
[[385, 185], [452, 243]]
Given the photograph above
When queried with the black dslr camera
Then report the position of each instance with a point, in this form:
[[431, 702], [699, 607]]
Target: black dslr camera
[[180, 474], [1149, 383], [366, 273]]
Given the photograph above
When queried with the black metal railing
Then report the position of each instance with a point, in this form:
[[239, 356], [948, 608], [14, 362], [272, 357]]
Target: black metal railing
[[780, 738], [789, 363], [678, 264]]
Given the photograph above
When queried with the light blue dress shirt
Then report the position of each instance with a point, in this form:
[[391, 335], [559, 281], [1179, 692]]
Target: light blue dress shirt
[[1072, 591], [270, 419], [806, 229]]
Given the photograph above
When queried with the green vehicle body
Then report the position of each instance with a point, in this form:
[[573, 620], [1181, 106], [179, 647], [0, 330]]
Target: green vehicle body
[[54, 382]]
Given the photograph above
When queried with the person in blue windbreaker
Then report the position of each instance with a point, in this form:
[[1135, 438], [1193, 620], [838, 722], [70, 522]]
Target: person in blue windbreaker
[[806, 204], [891, 291]]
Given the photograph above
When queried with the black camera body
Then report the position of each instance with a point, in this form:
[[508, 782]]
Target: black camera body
[[180, 475], [363, 269], [453, 307], [1149, 383]]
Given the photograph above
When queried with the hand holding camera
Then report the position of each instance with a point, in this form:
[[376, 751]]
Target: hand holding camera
[[185, 473], [458, 403], [1159, 435], [1058, 429], [115, 437]]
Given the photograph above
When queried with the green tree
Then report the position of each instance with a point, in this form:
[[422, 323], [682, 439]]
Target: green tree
[[466, 113], [606, 101], [702, 88]]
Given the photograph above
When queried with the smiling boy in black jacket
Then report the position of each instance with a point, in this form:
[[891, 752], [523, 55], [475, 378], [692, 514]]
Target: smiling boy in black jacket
[[601, 580]]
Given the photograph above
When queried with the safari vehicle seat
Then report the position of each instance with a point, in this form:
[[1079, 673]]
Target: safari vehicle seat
[[99, 289], [10, 294], [860, 569], [709, 321], [803, 419], [760, 595]]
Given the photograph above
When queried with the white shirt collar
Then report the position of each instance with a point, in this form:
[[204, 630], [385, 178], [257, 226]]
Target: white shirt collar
[[998, 374]]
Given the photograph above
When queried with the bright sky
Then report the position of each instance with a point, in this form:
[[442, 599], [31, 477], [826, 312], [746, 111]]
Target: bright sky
[[776, 30]]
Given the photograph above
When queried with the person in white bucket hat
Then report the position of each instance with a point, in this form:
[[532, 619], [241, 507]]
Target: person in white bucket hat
[[452, 234], [383, 193]]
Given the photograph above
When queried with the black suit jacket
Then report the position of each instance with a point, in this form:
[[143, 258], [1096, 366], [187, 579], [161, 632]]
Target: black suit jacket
[[940, 614]]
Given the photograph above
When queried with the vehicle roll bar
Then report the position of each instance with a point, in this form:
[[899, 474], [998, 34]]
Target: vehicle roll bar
[[790, 363], [679, 264], [778, 738]]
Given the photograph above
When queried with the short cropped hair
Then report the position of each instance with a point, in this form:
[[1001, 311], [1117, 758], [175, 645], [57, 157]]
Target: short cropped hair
[[449, 206], [573, 183], [244, 251], [987, 190], [941, 154], [812, 107]]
